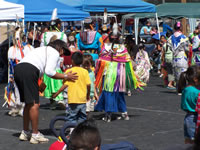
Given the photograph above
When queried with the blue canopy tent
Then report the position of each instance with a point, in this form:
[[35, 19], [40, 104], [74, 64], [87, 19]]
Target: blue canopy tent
[[119, 6], [41, 10], [73, 3]]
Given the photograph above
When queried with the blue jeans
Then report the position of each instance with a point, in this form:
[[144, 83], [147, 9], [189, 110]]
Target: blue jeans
[[77, 113], [189, 126], [157, 60]]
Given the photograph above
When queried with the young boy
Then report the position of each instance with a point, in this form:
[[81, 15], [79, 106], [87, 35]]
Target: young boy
[[78, 91]]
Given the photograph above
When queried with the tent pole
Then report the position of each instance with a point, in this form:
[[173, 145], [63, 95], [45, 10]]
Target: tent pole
[[158, 25], [23, 25], [136, 21], [27, 31], [123, 26], [34, 28]]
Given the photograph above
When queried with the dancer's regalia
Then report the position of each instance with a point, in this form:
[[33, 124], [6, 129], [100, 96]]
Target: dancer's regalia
[[89, 41], [53, 85], [196, 50], [179, 44], [114, 76], [15, 54], [143, 65]]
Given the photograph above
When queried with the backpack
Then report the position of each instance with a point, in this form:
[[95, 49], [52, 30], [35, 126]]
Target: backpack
[[168, 54]]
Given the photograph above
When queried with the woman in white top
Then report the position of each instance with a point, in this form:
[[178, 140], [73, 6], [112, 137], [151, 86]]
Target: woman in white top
[[27, 72]]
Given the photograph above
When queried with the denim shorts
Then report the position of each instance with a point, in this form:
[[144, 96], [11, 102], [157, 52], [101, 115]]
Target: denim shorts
[[77, 113], [189, 126]]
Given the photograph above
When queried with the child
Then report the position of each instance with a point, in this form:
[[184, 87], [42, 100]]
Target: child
[[78, 91], [187, 84], [85, 136], [93, 94], [143, 64], [89, 57]]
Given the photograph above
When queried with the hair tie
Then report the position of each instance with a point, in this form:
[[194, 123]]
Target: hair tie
[[178, 24]]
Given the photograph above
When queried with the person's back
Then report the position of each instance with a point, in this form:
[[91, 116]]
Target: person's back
[[189, 98], [77, 90]]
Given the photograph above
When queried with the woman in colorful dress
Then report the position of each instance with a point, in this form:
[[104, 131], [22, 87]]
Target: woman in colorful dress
[[114, 77], [53, 85]]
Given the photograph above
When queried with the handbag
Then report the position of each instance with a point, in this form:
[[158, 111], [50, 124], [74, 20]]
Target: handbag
[[42, 85]]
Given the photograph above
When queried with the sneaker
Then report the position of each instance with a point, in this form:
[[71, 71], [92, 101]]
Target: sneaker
[[125, 116], [38, 138], [25, 135], [129, 93], [107, 119], [179, 94], [53, 105], [62, 105], [119, 118], [13, 112], [171, 87]]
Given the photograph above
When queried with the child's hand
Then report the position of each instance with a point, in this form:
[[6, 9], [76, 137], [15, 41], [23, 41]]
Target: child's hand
[[96, 97], [96, 102]]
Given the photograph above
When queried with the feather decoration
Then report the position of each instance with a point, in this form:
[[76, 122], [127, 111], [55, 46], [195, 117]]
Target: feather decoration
[[105, 16], [115, 29], [54, 14]]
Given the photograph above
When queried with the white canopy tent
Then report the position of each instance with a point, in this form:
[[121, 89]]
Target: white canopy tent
[[9, 11]]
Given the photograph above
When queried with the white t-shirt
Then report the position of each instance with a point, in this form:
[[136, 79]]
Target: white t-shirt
[[38, 58]]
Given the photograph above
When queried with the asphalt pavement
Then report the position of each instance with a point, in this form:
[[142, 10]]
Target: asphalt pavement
[[156, 121]]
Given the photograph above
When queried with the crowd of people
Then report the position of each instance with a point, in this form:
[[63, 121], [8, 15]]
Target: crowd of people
[[93, 70]]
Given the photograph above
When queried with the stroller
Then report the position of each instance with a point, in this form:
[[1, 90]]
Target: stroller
[[59, 144], [63, 140]]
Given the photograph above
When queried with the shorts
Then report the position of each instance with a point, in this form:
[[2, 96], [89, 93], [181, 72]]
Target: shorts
[[190, 126], [26, 77], [77, 113]]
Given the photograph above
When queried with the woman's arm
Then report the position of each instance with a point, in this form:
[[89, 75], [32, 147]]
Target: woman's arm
[[145, 31], [67, 77]]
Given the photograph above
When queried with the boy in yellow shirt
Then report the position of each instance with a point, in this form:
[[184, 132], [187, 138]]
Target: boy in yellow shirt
[[78, 91]]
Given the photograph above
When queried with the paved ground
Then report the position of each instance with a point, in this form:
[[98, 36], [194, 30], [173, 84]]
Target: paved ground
[[156, 122]]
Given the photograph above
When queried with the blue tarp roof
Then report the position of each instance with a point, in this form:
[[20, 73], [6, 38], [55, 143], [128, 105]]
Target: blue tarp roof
[[41, 10], [118, 6], [73, 3]]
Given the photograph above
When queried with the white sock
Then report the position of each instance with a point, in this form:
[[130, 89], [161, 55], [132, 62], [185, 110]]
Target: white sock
[[35, 134], [26, 132]]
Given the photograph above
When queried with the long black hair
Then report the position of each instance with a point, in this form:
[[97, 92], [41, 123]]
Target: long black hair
[[188, 77]]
